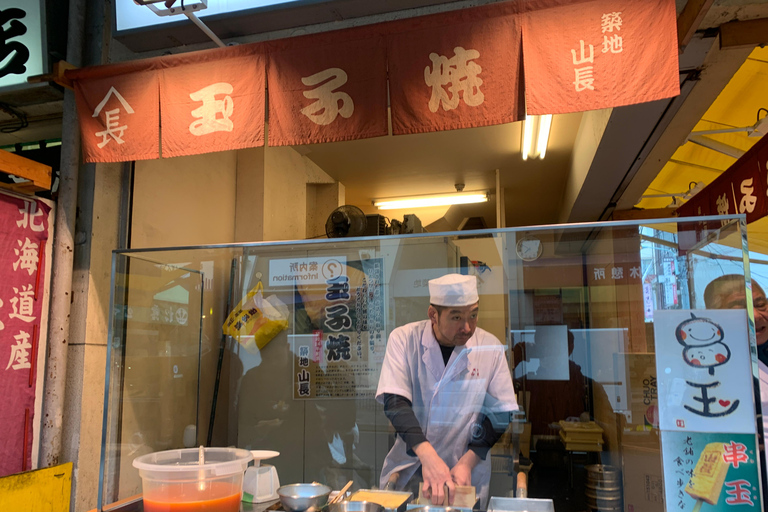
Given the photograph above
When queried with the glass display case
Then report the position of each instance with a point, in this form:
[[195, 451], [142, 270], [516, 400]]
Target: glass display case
[[279, 346]]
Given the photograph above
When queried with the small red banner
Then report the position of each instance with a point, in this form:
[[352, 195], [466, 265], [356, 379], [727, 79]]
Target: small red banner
[[459, 73], [740, 189], [600, 54], [213, 105], [328, 91], [24, 230], [119, 117]]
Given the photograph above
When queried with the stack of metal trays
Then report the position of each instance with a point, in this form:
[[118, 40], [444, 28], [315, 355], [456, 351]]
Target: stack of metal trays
[[603, 490]]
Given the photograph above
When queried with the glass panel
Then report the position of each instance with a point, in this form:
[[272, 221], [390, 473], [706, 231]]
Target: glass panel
[[284, 345]]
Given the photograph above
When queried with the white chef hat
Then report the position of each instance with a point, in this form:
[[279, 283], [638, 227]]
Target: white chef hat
[[453, 290]]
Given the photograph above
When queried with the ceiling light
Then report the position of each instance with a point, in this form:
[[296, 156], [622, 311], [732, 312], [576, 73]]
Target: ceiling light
[[535, 136], [397, 203]]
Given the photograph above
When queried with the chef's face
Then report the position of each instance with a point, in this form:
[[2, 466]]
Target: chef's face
[[453, 326], [736, 300]]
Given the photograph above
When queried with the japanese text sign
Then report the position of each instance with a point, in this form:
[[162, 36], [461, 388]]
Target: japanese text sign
[[715, 469], [457, 75], [740, 189], [331, 91], [607, 54], [119, 117], [214, 105], [21, 41], [317, 270], [704, 371], [342, 354], [24, 231]]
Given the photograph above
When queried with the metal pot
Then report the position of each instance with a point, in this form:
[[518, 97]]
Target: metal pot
[[355, 506], [303, 497]]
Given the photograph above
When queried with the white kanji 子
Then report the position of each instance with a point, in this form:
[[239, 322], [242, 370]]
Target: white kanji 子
[[19, 359], [748, 199], [27, 256], [23, 304], [460, 74], [31, 217], [214, 114], [326, 108], [112, 120]]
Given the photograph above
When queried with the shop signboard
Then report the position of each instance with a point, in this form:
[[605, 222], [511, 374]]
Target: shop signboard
[[445, 71], [22, 42], [715, 470], [341, 357], [25, 230], [704, 371], [307, 271]]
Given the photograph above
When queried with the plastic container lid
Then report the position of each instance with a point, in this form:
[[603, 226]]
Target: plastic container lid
[[184, 464]]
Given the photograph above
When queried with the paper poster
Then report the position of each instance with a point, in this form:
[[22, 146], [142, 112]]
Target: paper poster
[[316, 270], [341, 351], [717, 472], [704, 371]]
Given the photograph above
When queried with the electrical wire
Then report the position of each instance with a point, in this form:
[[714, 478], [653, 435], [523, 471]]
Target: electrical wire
[[19, 116]]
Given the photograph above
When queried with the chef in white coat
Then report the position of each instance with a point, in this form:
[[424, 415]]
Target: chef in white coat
[[446, 388]]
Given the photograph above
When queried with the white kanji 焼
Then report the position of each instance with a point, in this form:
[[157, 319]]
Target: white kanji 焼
[[23, 304], [27, 256], [111, 120], [326, 108], [31, 217], [460, 74], [19, 359], [214, 114]]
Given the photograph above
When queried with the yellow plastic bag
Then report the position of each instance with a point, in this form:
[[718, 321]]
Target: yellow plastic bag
[[256, 320]]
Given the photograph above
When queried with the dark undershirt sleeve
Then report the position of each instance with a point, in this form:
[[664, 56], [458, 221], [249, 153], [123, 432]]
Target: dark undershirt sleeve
[[399, 411], [487, 437]]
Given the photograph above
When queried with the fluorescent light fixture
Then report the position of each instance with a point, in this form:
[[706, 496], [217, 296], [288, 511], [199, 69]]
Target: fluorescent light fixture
[[535, 136], [397, 203]]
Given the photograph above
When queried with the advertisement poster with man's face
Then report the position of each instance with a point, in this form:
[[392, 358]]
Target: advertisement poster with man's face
[[704, 371]]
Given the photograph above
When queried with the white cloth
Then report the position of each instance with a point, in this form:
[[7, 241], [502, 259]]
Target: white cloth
[[453, 290], [446, 398]]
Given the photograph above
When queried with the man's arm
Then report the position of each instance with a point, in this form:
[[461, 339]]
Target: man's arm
[[434, 471]]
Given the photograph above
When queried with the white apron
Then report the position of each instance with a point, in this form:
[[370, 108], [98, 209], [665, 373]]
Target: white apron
[[446, 398]]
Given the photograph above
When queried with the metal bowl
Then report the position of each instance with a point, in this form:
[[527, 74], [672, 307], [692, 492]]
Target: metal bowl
[[303, 497], [355, 506]]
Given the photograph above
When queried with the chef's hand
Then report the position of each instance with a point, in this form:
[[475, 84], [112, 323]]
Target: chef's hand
[[436, 475], [462, 471]]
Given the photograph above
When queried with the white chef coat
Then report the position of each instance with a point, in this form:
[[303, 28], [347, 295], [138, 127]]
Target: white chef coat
[[446, 398]]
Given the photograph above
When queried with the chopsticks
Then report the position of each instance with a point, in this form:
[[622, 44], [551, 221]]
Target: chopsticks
[[340, 497]]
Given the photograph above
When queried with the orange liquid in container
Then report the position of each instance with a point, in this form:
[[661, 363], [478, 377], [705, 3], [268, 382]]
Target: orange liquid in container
[[215, 498]]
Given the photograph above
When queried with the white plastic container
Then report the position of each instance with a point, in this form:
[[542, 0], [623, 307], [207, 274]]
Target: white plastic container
[[175, 481]]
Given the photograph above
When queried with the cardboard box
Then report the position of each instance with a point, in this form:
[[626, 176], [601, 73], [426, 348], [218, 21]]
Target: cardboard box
[[642, 472], [642, 391]]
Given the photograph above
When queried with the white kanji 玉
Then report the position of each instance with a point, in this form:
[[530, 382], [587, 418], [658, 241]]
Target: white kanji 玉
[[611, 21], [617, 273], [613, 44], [214, 114], [460, 74], [23, 304], [31, 216], [326, 107], [19, 359], [748, 200], [599, 273], [112, 120], [27, 256]]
